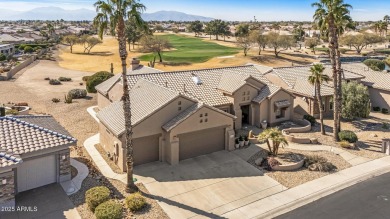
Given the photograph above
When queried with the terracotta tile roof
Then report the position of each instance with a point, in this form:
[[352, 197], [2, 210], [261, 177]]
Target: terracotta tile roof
[[44, 121], [146, 98], [8, 158], [375, 79], [266, 92], [22, 137], [187, 113], [296, 79], [142, 69], [207, 92]]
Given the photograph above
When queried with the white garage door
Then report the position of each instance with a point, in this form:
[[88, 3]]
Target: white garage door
[[36, 173]]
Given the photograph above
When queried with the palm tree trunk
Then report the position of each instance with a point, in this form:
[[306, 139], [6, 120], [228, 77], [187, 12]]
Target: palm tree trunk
[[333, 59], [130, 187], [269, 146], [320, 106]]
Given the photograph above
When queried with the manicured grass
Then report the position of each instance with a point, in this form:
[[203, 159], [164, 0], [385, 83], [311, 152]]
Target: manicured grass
[[191, 50]]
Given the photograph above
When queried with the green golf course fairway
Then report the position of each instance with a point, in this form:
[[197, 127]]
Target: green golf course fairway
[[191, 50]]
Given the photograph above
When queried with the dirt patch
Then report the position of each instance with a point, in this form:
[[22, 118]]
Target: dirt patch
[[110, 162]]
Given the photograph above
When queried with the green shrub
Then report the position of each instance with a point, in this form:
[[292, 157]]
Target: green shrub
[[356, 101], [2, 57], [28, 49], [348, 136], [97, 79], [54, 82], [77, 93], [376, 108], [375, 64], [96, 195], [135, 202], [13, 112], [385, 111], [310, 118], [385, 125], [109, 210], [64, 79]]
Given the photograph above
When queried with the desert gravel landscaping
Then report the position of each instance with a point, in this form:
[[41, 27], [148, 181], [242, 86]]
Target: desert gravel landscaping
[[291, 179]]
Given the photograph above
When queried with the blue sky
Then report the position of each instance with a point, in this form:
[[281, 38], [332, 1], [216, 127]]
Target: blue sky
[[264, 10]]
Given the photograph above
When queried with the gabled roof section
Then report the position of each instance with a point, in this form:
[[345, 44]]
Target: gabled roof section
[[142, 69], [266, 92], [146, 98], [303, 87], [20, 137], [189, 112], [375, 79], [106, 86], [8, 159]]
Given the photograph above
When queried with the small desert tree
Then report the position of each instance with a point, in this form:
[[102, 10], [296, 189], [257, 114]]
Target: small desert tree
[[245, 43], [275, 136], [361, 41], [279, 42], [258, 38], [90, 42], [312, 43], [356, 101], [196, 27], [156, 44], [71, 40]]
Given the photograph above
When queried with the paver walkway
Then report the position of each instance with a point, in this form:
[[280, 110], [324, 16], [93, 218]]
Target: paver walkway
[[74, 185], [92, 112]]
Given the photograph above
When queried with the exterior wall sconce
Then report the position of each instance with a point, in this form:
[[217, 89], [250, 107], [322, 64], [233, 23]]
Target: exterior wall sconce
[[63, 157], [4, 181]]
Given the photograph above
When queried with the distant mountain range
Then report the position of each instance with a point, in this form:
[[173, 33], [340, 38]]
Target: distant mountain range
[[56, 13]]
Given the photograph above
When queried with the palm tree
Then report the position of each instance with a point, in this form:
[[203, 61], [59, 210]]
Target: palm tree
[[317, 78], [330, 16], [277, 138], [111, 15]]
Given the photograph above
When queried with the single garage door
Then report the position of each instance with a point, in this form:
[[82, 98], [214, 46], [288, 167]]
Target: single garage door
[[36, 173], [146, 149], [202, 142]]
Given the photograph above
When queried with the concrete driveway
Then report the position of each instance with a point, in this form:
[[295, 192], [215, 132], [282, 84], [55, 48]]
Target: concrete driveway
[[49, 201], [207, 186]]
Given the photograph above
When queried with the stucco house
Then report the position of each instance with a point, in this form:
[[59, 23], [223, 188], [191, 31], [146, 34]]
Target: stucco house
[[184, 114], [34, 151], [295, 80]]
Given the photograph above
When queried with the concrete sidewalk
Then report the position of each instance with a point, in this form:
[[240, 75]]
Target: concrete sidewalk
[[288, 200]]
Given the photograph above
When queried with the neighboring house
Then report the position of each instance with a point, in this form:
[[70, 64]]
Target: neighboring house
[[7, 49], [34, 151], [378, 83], [184, 114], [295, 80]]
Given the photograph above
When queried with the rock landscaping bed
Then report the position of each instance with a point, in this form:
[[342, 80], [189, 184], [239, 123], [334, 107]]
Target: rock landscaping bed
[[291, 179], [110, 162]]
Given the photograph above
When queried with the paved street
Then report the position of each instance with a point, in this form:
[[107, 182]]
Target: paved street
[[369, 199]]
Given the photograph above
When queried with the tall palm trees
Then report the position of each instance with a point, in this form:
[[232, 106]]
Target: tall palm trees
[[317, 78], [331, 16], [111, 15], [275, 136]]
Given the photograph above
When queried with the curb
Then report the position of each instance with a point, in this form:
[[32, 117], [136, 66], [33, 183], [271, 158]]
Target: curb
[[322, 193]]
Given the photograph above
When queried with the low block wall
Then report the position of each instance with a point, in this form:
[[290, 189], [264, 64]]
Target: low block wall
[[305, 127], [24, 64]]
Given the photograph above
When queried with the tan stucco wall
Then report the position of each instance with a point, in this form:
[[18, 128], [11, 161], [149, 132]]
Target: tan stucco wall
[[108, 140], [279, 96], [240, 100], [192, 124], [102, 101], [380, 98], [152, 125]]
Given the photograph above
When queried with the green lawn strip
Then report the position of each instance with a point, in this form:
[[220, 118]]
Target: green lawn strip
[[192, 50]]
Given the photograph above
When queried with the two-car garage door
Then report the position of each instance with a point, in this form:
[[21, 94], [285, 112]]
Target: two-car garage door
[[201, 142], [36, 173]]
